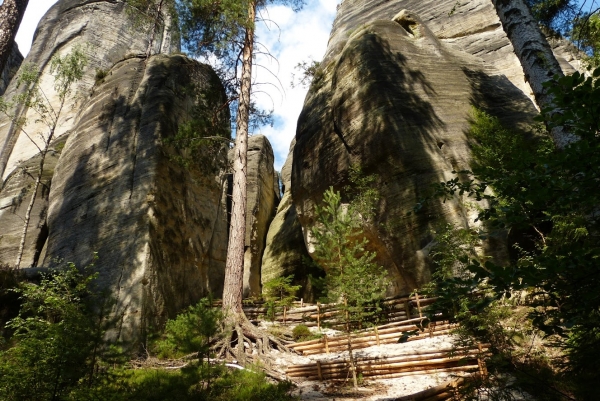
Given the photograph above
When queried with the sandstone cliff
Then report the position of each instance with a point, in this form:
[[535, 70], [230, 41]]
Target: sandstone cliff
[[285, 253], [393, 95], [158, 228], [12, 65], [262, 199], [103, 30]]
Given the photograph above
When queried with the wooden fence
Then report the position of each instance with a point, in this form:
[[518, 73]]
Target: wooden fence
[[386, 334], [316, 315], [446, 360]]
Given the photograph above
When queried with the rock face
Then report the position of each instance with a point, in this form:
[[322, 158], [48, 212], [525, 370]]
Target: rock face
[[104, 32], [102, 29], [285, 253], [159, 228], [393, 95], [263, 197], [14, 200], [12, 65]]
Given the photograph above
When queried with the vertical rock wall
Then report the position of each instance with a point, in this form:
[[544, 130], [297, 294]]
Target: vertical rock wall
[[285, 253], [12, 65], [158, 228], [393, 95], [262, 200]]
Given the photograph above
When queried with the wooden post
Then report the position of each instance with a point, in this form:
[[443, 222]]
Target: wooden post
[[319, 315], [284, 314], [407, 308], [377, 336], [418, 305], [482, 367], [326, 345], [319, 371], [302, 302]]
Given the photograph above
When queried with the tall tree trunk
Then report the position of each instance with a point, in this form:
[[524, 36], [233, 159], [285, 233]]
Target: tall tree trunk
[[234, 266], [535, 55], [11, 14]]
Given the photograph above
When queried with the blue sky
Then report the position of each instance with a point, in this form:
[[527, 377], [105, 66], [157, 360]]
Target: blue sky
[[290, 37]]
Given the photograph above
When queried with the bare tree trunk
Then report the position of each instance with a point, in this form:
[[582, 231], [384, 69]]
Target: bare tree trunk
[[349, 344], [11, 14], [535, 55], [234, 266], [155, 23]]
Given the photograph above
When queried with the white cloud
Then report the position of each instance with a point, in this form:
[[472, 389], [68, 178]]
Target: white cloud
[[291, 38]]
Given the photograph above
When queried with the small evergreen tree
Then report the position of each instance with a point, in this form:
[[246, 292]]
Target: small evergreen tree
[[279, 294], [352, 277]]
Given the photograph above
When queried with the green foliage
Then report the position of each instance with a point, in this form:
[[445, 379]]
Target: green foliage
[[100, 75], [548, 199], [352, 276], [301, 332], [188, 383], [192, 331], [279, 293], [308, 73], [586, 33], [10, 302], [57, 337]]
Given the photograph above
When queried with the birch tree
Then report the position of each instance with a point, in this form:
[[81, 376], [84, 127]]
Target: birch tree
[[536, 57], [11, 14], [67, 70]]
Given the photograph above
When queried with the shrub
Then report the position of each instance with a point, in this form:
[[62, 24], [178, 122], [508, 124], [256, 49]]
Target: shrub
[[301, 333]]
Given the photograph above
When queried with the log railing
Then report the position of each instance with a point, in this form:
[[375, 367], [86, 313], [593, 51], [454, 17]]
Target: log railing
[[445, 360]]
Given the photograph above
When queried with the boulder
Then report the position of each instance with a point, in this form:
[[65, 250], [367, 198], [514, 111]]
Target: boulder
[[393, 95], [154, 214]]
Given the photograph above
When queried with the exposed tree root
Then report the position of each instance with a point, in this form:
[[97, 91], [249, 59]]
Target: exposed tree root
[[247, 344]]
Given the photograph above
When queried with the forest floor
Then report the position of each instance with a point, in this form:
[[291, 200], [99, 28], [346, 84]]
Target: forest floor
[[369, 389]]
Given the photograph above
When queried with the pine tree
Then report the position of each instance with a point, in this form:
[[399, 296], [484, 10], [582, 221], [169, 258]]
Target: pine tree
[[11, 14], [353, 278]]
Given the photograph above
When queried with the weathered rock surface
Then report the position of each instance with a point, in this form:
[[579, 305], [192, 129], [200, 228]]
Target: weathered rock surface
[[15, 196], [159, 228], [285, 253], [103, 30], [12, 65], [393, 96], [262, 199]]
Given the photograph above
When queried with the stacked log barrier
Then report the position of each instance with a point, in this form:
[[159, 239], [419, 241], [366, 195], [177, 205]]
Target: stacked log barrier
[[386, 334], [447, 360], [396, 309]]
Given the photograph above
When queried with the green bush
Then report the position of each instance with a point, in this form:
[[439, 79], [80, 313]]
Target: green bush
[[192, 331], [57, 337], [301, 332]]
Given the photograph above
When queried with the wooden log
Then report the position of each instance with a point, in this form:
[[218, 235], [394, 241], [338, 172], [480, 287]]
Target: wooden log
[[440, 396], [417, 360], [409, 373], [370, 339], [320, 371], [318, 316], [433, 391]]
